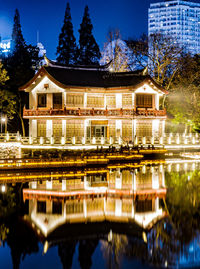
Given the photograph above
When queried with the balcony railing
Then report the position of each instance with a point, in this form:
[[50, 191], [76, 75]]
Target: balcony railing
[[86, 112]]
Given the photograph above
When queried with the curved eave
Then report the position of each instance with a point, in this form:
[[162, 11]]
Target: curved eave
[[28, 84], [158, 86]]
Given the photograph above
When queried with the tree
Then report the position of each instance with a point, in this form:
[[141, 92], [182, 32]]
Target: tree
[[161, 53], [7, 99], [18, 41], [89, 53], [184, 96], [67, 50], [117, 53], [20, 64]]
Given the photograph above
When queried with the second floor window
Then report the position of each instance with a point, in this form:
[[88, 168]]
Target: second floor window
[[95, 101], [75, 100], [57, 100], [144, 100], [42, 100]]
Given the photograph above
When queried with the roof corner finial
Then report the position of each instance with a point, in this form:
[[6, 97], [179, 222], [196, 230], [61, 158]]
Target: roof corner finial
[[46, 60], [145, 71]]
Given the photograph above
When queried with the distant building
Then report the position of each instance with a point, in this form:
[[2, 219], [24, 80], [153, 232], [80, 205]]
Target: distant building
[[5, 46], [178, 19]]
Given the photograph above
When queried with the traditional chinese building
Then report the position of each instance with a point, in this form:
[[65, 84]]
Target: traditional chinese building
[[90, 105]]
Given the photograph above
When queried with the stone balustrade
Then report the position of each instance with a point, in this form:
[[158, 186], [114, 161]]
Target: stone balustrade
[[166, 140]]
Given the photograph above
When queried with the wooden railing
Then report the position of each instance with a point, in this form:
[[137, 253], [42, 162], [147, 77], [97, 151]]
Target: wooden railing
[[85, 112]]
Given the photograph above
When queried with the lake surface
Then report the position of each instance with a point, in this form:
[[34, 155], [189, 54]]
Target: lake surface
[[114, 216]]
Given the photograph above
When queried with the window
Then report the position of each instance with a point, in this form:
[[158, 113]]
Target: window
[[42, 100], [144, 206], [74, 100], [74, 128], [41, 128], [95, 101], [144, 100], [57, 128], [41, 207], [110, 101], [57, 100], [57, 207], [126, 100]]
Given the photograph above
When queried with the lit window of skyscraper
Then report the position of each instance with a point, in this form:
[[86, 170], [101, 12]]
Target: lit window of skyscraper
[[178, 19]]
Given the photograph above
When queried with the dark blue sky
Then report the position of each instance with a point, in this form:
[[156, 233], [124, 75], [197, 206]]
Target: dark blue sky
[[46, 16]]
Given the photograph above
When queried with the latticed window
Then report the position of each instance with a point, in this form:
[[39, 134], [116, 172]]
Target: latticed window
[[95, 101], [74, 128], [144, 128], [126, 100], [74, 100], [112, 128], [126, 177], [95, 205], [144, 100], [127, 130], [57, 100], [126, 206], [111, 101], [74, 207], [144, 180], [57, 128], [41, 128]]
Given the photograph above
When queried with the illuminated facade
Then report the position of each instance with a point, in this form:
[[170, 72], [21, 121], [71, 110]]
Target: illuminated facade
[[178, 19], [93, 105]]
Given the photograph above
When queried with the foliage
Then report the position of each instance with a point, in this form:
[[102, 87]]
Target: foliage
[[161, 54], [183, 202], [20, 64], [183, 100], [67, 50], [89, 53], [7, 99], [117, 52]]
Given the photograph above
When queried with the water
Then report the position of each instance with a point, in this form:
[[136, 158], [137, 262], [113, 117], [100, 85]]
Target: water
[[104, 216]]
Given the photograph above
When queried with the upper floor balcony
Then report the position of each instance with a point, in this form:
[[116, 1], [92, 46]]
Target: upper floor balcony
[[94, 112]]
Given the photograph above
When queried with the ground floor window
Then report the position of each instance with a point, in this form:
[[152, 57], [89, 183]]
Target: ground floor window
[[127, 129], [41, 128], [144, 128], [74, 128], [57, 128]]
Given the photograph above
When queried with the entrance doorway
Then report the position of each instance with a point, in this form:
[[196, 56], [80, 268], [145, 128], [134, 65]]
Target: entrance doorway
[[97, 129]]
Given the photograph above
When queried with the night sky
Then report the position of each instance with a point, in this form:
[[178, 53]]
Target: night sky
[[46, 16]]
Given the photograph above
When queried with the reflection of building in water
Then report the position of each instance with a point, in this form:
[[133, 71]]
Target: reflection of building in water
[[118, 195]]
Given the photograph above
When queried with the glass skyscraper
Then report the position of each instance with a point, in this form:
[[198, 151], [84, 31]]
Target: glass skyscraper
[[178, 19]]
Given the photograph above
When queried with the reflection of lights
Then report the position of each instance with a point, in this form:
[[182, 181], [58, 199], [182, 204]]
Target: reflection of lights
[[41, 140], [46, 246], [144, 236], [144, 169], [3, 119], [177, 167], [110, 236], [3, 188], [185, 166]]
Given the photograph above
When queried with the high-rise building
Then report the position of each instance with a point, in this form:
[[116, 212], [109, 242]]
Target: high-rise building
[[178, 19]]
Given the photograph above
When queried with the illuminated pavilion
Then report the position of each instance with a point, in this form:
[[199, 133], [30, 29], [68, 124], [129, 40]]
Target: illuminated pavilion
[[91, 105]]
